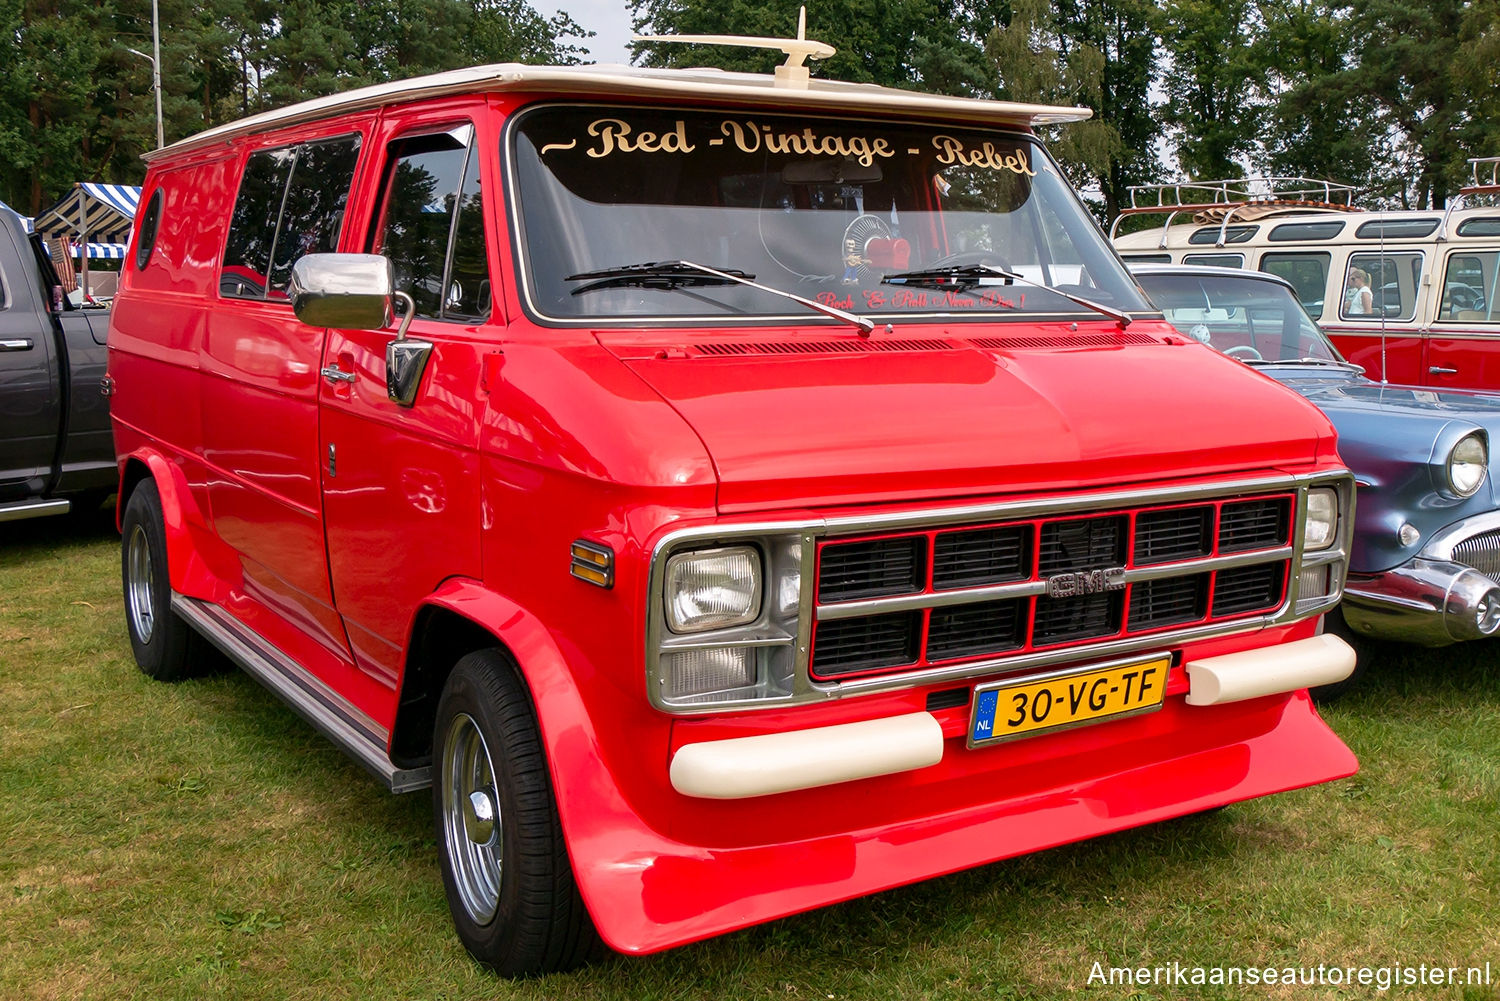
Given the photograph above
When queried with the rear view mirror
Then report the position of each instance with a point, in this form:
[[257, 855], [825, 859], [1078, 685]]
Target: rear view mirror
[[351, 291], [830, 171]]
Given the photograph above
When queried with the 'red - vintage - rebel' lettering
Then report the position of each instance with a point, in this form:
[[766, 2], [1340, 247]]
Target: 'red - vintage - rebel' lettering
[[952, 151], [749, 137], [614, 133]]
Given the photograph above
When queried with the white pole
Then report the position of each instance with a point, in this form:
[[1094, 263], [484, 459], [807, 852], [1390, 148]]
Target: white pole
[[156, 72]]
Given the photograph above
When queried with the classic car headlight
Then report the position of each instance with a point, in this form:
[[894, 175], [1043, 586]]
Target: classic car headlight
[[1320, 525], [712, 588], [1467, 464], [728, 625]]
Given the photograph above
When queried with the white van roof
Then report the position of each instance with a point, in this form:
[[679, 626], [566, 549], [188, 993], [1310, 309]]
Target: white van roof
[[658, 85]]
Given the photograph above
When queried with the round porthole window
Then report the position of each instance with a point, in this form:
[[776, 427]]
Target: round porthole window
[[146, 239]]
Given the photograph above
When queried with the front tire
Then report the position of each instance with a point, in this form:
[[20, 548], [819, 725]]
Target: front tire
[[1365, 650], [163, 644], [505, 866]]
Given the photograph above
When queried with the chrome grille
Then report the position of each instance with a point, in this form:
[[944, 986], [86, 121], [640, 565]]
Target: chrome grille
[[976, 630], [1177, 533], [1254, 524], [1082, 544], [1169, 601], [870, 569], [1246, 589], [920, 597], [867, 644], [1066, 620], [1482, 552], [986, 556]]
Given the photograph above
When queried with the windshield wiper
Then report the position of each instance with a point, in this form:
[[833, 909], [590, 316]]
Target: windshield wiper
[[967, 276], [1329, 362], [681, 274], [653, 274]]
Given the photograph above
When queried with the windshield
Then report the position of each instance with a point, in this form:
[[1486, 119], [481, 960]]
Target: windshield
[[823, 208], [1243, 316]]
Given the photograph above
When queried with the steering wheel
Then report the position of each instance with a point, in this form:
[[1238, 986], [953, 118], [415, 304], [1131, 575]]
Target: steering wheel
[[988, 258], [1244, 349], [857, 237]]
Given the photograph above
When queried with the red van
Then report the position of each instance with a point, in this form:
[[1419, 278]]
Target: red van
[[730, 494]]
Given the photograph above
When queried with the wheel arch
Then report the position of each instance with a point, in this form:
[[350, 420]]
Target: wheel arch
[[462, 616], [186, 567], [440, 636], [591, 808]]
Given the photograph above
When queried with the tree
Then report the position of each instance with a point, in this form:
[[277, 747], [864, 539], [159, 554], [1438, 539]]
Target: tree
[[1409, 66], [1035, 63], [1213, 106], [49, 54], [1392, 95], [1123, 32], [76, 104], [513, 31], [1317, 123]]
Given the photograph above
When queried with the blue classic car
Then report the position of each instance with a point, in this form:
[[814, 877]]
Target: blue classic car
[[1426, 560]]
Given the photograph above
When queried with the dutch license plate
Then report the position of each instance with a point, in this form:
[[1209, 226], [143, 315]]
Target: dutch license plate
[[1003, 710]]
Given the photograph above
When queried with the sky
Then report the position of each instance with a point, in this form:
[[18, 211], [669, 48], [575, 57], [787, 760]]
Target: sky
[[610, 22]]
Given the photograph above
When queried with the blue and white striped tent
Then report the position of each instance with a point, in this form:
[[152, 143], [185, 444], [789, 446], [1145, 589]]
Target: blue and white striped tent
[[105, 251], [99, 213]]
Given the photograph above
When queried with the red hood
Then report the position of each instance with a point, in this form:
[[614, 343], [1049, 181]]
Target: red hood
[[797, 429]]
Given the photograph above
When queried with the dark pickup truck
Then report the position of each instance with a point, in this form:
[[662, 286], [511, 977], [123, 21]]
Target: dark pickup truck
[[56, 450]]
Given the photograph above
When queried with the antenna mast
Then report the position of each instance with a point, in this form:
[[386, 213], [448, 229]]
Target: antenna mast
[[791, 74]]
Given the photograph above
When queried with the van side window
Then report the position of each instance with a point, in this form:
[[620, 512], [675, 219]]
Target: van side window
[[1234, 234], [1215, 260], [432, 224], [1392, 281], [313, 212], [291, 202], [1469, 287], [145, 240], [252, 229], [1308, 274]]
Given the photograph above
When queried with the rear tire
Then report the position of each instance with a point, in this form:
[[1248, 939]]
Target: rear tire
[[163, 644], [505, 865]]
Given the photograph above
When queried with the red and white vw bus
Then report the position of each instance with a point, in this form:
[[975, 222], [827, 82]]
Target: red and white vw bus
[[1413, 296], [730, 494]]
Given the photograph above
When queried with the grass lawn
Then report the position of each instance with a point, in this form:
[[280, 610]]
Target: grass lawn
[[199, 841]]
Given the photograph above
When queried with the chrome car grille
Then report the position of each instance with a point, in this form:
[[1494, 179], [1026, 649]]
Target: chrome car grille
[[917, 598], [1482, 552]]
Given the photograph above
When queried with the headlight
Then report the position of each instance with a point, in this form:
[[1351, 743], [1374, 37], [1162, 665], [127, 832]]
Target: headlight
[[712, 589], [1467, 464], [1320, 526], [700, 675]]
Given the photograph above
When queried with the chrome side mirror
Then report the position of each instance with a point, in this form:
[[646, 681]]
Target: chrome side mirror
[[405, 360], [354, 292], [350, 291]]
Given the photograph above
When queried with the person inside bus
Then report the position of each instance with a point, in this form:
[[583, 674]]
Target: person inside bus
[[1358, 300]]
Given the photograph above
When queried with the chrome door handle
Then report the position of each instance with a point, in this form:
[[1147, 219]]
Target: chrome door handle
[[335, 374], [16, 344], [1440, 370]]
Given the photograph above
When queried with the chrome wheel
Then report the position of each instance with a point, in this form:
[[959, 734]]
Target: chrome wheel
[[471, 819], [140, 599]]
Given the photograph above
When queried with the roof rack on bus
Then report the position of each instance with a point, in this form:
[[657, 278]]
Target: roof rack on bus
[[1484, 176], [1484, 180], [1220, 201]]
